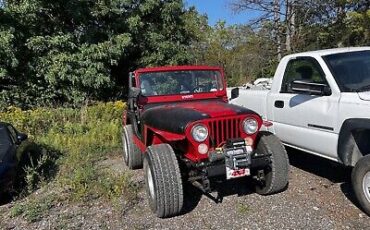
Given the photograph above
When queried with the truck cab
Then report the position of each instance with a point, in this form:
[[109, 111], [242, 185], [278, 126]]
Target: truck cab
[[319, 103]]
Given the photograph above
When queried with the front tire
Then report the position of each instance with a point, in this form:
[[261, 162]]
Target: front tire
[[132, 156], [361, 183], [277, 174], [163, 181]]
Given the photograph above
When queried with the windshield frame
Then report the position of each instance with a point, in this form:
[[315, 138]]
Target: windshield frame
[[219, 94], [180, 82]]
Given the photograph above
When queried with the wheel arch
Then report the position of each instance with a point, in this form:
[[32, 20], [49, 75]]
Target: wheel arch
[[351, 147]]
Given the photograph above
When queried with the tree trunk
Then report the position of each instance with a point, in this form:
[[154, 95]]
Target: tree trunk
[[277, 27], [288, 32]]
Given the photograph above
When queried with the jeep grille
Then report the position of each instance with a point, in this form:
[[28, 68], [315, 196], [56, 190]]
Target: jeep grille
[[223, 129]]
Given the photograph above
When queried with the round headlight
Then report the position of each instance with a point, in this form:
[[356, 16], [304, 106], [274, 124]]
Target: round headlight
[[250, 126], [199, 132]]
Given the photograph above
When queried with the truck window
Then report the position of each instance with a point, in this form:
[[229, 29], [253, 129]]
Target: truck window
[[303, 69], [351, 70]]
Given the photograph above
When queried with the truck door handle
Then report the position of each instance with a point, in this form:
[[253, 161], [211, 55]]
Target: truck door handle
[[279, 104]]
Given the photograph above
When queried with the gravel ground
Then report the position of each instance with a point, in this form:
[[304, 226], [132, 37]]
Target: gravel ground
[[318, 197]]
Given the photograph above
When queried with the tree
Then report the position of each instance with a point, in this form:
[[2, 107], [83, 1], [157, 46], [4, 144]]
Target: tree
[[310, 24], [69, 51], [270, 10], [242, 53]]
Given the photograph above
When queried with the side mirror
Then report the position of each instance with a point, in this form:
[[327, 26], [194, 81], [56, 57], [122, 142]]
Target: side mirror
[[21, 137], [134, 92], [234, 93], [310, 88]]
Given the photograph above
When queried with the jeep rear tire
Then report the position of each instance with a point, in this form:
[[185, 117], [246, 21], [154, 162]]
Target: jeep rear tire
[[163, 181], [361, 182], [131, 153], [277, 174]]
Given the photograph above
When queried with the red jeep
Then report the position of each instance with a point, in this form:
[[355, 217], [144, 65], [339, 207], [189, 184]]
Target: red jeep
[[180, 127]]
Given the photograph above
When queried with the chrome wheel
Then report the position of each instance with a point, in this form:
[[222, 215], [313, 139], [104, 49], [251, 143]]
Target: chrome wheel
[[150, 183], [366, 185], [125, 148]]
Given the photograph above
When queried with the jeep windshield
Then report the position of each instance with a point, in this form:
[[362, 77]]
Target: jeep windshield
[[351, 70], [180, 82]]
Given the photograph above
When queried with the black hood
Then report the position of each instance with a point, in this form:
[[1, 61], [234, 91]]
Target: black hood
[[175, 117], [171, 119]]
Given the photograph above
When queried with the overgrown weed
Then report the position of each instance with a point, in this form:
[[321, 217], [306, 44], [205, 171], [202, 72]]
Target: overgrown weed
[[72, 143]]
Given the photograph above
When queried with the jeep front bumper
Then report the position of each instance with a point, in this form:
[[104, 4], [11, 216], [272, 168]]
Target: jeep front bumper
[[234, 160]]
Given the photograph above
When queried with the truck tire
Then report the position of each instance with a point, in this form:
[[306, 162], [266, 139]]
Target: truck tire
[[163, 181], [131, 153], [361, 182], [277, 174]]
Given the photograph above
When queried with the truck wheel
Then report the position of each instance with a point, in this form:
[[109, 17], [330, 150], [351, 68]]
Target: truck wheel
[[131, 153], [276, 175], [361, 182], [163, 181]]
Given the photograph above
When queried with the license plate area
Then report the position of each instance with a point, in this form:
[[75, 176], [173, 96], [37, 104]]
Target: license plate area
[[235, 173]]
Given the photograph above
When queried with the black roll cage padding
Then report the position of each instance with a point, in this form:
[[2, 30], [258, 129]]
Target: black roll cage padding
[[132, 112]]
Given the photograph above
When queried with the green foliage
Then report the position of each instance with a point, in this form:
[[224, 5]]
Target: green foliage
[[84, 138], [243, 209], [68, 52], [251, 51], [34, 209], [243, 53]]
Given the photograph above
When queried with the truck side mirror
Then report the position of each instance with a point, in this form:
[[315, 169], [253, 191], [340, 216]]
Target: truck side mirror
[[234, 93], [310, 88]]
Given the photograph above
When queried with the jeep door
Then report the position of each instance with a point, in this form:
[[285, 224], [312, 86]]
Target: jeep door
[[302, 120]]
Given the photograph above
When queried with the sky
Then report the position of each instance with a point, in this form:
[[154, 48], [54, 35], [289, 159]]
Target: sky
[[219, 10]]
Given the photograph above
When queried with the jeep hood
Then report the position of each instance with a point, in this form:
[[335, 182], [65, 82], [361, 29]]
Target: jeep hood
[[175, 117], [364, 95]]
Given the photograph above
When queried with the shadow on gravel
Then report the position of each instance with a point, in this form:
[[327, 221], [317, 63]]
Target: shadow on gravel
[[330, 170], [191, 199], [239, 187]]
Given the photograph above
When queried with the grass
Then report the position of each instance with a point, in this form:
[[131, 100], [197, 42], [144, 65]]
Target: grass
[[243, 209], [72, 142], [34, 209]]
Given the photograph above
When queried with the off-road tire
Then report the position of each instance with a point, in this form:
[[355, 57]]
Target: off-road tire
[[277, 174], [132, 156], [360, 172], [163, 181]]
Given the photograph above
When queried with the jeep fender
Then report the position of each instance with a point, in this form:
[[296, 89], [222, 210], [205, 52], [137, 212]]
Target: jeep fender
[[348, 150], [156, 136]]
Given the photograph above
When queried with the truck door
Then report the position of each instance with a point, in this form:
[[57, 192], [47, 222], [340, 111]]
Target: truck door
[[302, 120]]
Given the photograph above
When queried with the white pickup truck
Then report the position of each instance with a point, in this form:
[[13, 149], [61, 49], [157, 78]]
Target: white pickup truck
[[319, 102]]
